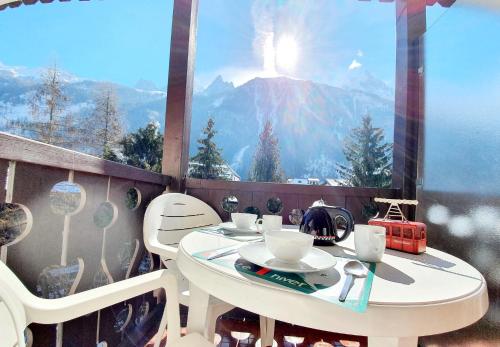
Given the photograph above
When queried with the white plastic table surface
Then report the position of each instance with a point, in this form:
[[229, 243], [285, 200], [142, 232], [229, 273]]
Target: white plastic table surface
[[411, 296]]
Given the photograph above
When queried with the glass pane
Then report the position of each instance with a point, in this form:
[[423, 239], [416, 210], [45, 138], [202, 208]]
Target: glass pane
[[460, 197], [281, 86], [91, 79]]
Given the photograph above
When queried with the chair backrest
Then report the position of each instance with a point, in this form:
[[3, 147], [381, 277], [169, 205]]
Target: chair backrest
[[169, 217], [13, 318]]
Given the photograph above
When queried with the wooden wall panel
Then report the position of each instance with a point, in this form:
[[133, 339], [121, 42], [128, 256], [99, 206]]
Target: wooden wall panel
[[292, 196]]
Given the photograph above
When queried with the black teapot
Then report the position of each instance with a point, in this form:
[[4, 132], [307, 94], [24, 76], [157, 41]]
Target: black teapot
[[328, 224]]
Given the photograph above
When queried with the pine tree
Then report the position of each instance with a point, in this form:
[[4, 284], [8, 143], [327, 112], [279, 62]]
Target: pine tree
[[143, 148], [369, 157], [50, 122], [109, 154], [103, 129], [208, 162], [266, 165]]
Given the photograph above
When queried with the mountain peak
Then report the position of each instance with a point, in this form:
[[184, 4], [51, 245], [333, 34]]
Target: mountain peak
[[146, 85], [218, 86], [365, 81]]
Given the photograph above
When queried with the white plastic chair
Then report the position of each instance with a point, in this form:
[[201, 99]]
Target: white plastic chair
[[168, 218], [19, 308]]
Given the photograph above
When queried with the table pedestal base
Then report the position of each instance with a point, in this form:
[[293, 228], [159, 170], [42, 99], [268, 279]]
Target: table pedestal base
[[266, 331], [392, 341]]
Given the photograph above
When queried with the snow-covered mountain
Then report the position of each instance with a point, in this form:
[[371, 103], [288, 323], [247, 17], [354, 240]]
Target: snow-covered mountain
[[138, 105], [310, 119]]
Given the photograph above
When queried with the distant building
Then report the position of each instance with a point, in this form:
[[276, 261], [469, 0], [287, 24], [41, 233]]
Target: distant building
[[335, 182], [306, 181], [230, 174], [227, 171]]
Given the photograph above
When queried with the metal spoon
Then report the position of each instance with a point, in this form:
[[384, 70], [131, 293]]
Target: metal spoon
[[352, 269]]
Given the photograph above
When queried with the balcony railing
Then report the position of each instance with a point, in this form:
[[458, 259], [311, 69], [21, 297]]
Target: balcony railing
[[82, 228]]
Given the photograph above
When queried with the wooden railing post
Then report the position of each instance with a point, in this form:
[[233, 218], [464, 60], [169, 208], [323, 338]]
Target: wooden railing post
[[410, 92], [180, 92]]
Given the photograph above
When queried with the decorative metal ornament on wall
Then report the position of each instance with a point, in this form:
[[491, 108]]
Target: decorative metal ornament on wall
[[67, 198], [133, 198], [295, 216], [370, 210], [146, 264], [58, 281], [230, 204], [127, 256], [142, 312], [55, 281], [122, 319], [104, 217], [16, 220], [274, 205]]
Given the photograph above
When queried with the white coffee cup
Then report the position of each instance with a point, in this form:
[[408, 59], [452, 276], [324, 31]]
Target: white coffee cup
[[288, 246], [243, 220], [269, 222], [369, 242]]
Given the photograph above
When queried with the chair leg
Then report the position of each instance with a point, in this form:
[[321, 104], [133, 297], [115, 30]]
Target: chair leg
[[211, 324], [266, 331], [161, 328]]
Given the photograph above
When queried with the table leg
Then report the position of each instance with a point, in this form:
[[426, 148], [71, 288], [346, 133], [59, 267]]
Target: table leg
[[376, 341], [198, 308], [266, 331]]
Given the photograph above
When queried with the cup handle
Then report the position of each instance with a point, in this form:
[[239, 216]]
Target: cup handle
[[379, 241], [258, 224]]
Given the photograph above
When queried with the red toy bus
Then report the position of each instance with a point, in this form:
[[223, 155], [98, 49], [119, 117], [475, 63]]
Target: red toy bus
[[401, 234]]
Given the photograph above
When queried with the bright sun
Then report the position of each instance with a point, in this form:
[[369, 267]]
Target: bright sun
[[286, 52]]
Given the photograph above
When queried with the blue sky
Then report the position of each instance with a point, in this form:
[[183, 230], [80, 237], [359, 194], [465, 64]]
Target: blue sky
[[115, 40], [329, 36], [127, 40]]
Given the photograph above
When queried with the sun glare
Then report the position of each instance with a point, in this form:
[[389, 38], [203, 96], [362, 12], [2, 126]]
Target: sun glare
[[286, 52]]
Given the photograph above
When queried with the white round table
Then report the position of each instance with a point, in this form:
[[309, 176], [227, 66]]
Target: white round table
[[411, 296]]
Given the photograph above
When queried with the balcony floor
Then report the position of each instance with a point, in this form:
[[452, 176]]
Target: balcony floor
[[237, 323], [240, 321]]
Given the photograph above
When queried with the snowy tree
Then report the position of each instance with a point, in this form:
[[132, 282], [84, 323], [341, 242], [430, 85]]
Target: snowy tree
[[50, 121], [104, 125], [369, 157], [266, 166], [208, 162]]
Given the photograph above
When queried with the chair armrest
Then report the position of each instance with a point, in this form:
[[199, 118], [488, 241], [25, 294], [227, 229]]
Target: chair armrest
[[50, 311], [164, 251]]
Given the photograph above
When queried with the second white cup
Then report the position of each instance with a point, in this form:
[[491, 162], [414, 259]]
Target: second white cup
[[243, 220], [369, 242], [269, 222]]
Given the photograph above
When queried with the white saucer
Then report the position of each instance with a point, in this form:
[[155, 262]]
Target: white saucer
[[229, 226], [316, 260]]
